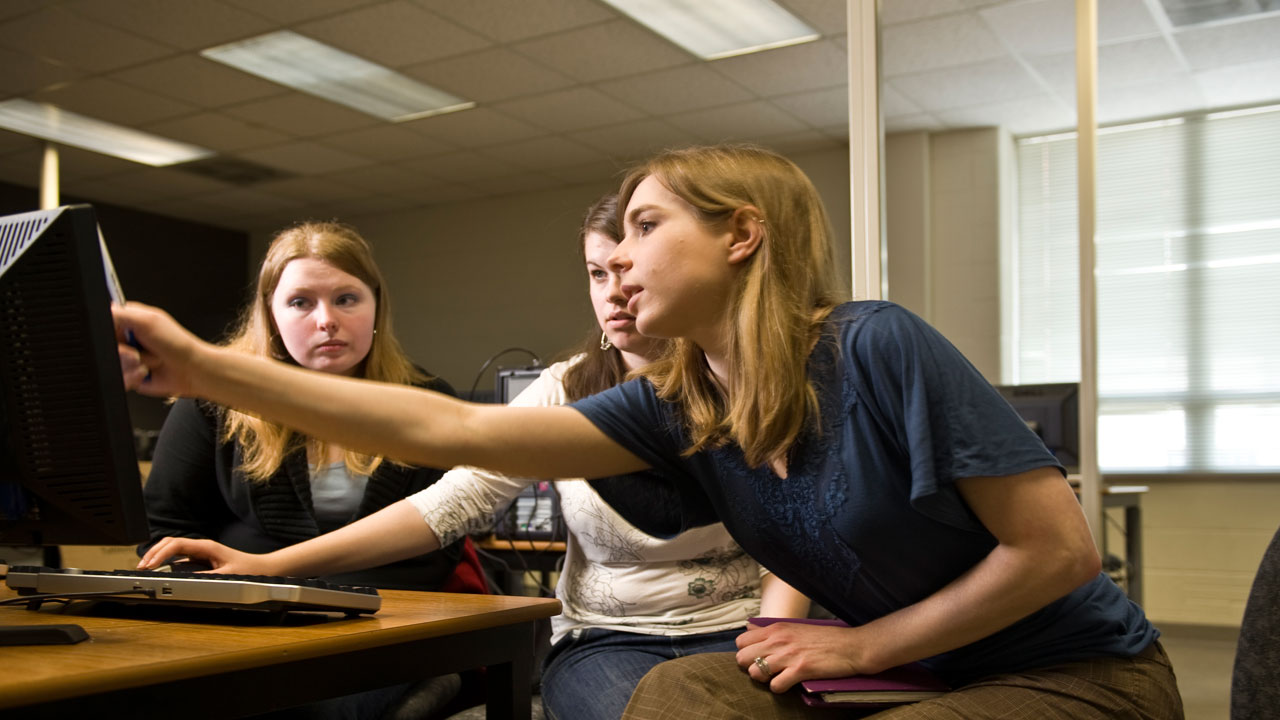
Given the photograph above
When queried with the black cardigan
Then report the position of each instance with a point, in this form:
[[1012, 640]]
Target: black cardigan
[[195, 489]]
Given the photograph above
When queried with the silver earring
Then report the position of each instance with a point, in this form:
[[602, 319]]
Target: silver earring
[[604, 341]]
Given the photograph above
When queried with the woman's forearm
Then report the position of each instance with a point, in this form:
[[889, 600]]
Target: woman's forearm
[[394, 533], [1044, 551]]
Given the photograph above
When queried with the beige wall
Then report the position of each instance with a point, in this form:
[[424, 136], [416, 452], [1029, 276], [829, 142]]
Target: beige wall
[[471, 279], [949, 197]]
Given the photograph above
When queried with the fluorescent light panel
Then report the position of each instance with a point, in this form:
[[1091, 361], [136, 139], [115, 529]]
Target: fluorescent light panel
[[714, 29], [50, 122], [303, 64]]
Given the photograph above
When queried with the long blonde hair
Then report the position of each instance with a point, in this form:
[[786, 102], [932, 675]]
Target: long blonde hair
[[786, 289], [264, 444]]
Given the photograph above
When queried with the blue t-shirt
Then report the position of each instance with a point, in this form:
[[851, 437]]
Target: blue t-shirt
[[869, 520]]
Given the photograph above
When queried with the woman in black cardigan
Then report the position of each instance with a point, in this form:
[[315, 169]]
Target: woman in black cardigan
[[257, 486]]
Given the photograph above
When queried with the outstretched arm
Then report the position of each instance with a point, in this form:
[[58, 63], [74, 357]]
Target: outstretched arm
[[410, 424], [1044, 551]]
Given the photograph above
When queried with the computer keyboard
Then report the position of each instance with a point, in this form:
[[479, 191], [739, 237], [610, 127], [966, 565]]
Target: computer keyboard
[[250, 592]]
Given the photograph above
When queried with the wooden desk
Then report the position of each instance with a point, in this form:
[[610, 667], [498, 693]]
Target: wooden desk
[[182, 668], [1128, 497]]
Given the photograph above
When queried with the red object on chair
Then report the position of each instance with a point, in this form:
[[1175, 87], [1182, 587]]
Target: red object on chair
[[468, 576]]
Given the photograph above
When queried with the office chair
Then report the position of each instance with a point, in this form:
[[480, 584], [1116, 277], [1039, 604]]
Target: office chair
[[1255, 681]]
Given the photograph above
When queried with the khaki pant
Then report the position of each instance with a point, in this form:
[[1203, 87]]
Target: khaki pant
[[712, 686]]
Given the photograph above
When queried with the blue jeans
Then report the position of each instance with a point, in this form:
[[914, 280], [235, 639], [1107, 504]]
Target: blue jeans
[[591, 676]]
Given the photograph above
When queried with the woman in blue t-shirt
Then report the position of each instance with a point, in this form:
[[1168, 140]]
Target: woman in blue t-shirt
[[848, 447]]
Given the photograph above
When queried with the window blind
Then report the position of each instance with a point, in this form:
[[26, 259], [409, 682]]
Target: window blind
[[1188, 288]]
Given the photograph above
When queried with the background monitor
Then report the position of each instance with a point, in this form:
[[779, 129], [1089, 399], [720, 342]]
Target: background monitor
[[510, 382], [1053, 412], [68, 471]]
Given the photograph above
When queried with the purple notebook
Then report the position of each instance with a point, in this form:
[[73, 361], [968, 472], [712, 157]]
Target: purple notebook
[[895, 686]]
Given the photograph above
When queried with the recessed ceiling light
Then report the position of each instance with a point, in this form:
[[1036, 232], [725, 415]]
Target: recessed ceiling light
[[714, 29], [50, 122], [303, 64]]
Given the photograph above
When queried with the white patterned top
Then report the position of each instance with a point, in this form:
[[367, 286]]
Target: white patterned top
[[615, 576]]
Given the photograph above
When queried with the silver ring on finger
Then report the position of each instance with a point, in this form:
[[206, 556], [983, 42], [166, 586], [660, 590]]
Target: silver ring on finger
[[764, 666]]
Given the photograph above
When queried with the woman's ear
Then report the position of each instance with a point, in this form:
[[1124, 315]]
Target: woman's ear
[[747, 228]]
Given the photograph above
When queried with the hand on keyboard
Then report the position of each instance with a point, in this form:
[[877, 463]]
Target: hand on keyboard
[[206, 554]]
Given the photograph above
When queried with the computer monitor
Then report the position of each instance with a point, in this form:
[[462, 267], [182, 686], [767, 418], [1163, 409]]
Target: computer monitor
[[510, 382], [68, 471], [1053, 411]]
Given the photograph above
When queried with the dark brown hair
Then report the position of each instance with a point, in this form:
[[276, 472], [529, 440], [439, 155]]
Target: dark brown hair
[[599, 369]]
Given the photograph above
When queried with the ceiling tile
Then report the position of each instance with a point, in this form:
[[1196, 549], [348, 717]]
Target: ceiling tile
[[509, 20], [1172, 95], [938, 43], [1021, 116], [489, 75], [293, 11], [800, 142], [351, 209], [193, 79], [465, 167], [394, 34], [679, 89], [635, 139], [63, 37], [892, 13], [524, 182], [1123, 64], [241, 200], [472, 128], [187, 25], [306, 189], [165, 183], [744, 121], [138, 189], [11, 142], [1253, 84], [988, 82], [911, 123], [1124, 20], [301, 115], [789, 69], [568, 110], [1039, 27], [216, 132], [23, 74], [893, 102], [608, 50], [543, 153], [1236, 43], [197, 210], [115, 102], [825, 16], [385, 143], [382, 178], [607, 172], [818, 108], [304, 158]]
